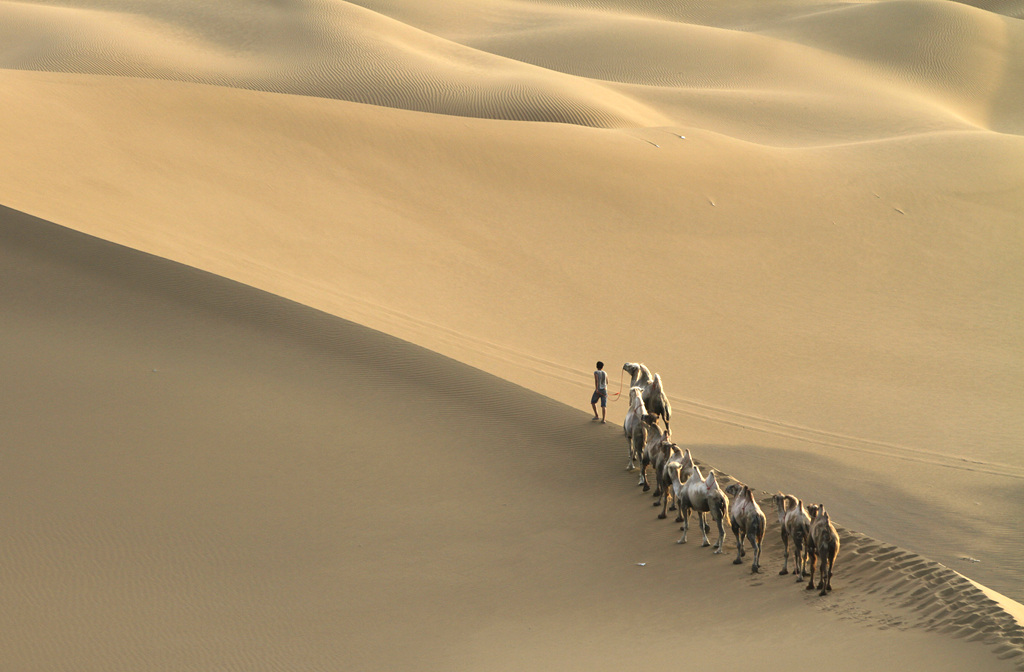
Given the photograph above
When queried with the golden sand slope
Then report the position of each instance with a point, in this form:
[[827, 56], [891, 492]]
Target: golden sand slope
[[201, 476]]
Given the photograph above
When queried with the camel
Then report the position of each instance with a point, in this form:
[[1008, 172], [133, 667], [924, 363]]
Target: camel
[[748, 522], [654, 450], [703, 496], [640, 374], [823, 548], [657, 401], [675, 473], [633, 426], [654, 395], [795, 527]]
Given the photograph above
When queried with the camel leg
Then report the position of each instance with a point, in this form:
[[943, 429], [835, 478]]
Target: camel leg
[[686, 526], [659, 478], [739, 545], [703, 530], [785, 555], [755, 544], [720, 546], [812, 560]]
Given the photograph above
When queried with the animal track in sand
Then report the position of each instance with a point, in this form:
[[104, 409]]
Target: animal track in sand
[[920, 593]]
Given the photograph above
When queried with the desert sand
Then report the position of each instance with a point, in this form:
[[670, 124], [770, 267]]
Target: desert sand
[[301, 303]]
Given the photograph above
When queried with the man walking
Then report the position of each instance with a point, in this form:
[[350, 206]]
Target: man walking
[[600, 391]]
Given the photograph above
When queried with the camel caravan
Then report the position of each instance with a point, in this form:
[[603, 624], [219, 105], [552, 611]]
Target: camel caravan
[[681, 486]]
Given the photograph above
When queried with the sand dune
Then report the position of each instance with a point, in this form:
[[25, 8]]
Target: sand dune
[[806, 217], [336, 50], [207, 476], [967, 59], [963, 64]]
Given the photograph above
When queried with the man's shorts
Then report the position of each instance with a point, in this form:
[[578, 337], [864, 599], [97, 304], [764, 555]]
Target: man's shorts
[[602, 395]]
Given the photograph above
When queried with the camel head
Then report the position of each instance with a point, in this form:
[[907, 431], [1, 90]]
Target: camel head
[[739, 489], [639, 373], [814, 509], [784, 504]]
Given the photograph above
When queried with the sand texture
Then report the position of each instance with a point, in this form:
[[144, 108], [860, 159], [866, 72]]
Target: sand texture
[[301, 302]]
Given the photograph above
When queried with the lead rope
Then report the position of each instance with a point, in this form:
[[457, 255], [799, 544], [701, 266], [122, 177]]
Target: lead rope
[[621, 374]]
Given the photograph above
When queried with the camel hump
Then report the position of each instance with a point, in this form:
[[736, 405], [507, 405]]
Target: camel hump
[[711, 481]]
